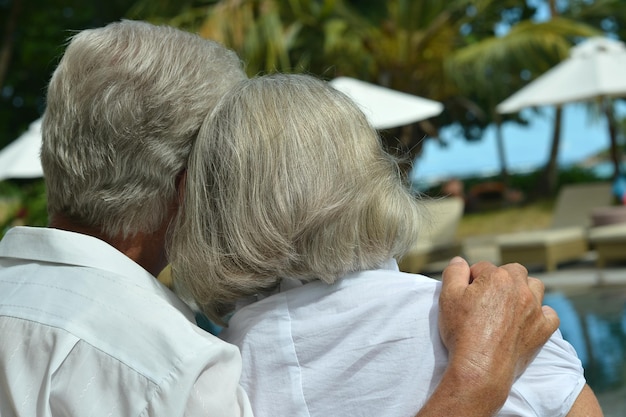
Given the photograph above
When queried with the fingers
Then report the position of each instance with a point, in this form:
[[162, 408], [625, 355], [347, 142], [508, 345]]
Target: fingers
[[482, 269], [485, 268], [486, 271], [537, 288], [552, 318], [456, 276], [517, 271], [493, 316]]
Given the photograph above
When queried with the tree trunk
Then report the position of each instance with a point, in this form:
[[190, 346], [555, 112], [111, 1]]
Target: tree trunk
[[615, 152], [504, 174], [548, 181], [552, 8], [7, 40]]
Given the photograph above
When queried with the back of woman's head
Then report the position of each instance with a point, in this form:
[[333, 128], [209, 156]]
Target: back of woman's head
[[286, 179], [123, 107]]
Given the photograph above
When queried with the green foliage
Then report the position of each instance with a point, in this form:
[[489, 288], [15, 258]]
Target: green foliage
[[22, 203], [608, 15], [34, 33], [527, 182], [446, 51], [574, 175]]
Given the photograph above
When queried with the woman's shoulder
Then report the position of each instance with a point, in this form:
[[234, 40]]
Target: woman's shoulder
[[390, 280]]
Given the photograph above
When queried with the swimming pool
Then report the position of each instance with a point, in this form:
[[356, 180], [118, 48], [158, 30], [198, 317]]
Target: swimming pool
[[593, 320]]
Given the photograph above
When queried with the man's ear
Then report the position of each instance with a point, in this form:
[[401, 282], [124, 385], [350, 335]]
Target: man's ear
[[181, 183]]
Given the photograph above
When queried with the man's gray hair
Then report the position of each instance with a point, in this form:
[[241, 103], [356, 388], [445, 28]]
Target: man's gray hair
[[123, 107], [286, 179]]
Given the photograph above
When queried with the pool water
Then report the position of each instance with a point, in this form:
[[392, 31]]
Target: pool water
[[593, 320]]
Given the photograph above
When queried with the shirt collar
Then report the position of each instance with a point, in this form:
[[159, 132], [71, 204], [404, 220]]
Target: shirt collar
[[287, 284], [71, 248]]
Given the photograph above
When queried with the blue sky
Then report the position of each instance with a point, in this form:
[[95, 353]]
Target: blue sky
[[526, 148]]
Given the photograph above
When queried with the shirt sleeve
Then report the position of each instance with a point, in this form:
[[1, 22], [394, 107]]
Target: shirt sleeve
[[217, 392], [206, 383], [550, 384], [220, 398]]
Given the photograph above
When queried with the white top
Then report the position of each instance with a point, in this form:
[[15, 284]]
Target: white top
[[369, 346], [85, 331]]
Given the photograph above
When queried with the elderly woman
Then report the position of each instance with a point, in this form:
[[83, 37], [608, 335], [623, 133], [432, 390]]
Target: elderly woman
[[293, 215]]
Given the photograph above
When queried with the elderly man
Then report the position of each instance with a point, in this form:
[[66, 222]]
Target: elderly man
[[86, 327]]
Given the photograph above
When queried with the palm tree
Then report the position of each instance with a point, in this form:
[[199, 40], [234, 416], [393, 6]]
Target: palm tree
[[285, 36], [499, 65], [450, 52]]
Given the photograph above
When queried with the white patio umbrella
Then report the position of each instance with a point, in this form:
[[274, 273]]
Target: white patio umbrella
[[20, 158], [595, 69], [386, 108]]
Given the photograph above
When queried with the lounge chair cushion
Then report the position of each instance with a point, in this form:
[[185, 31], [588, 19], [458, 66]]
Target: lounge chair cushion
[[608, 233], [609, 242], [540, 237]]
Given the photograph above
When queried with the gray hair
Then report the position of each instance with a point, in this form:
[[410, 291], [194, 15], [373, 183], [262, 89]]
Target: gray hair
[[123, 108], [286, 179]]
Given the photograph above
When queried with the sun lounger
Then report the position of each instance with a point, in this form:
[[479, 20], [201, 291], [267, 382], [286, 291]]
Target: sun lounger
[[437, 240], [566, 239], [609, 242]]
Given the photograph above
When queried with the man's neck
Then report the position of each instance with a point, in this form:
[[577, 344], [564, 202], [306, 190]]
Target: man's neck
[[146, 249]]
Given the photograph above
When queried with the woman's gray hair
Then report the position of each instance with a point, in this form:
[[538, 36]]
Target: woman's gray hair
[[286, 179], [123, 107]]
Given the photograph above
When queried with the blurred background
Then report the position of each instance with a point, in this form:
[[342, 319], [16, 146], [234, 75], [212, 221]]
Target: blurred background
[[467, 55]]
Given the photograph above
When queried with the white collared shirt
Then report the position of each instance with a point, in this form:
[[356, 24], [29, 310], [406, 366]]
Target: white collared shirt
[[85, 331], [369, 345]]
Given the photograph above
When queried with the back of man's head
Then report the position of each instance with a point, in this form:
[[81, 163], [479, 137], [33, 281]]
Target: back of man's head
[[123, 107]]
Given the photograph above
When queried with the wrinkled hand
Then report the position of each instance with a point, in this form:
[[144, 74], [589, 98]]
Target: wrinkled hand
[[491, 319]]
